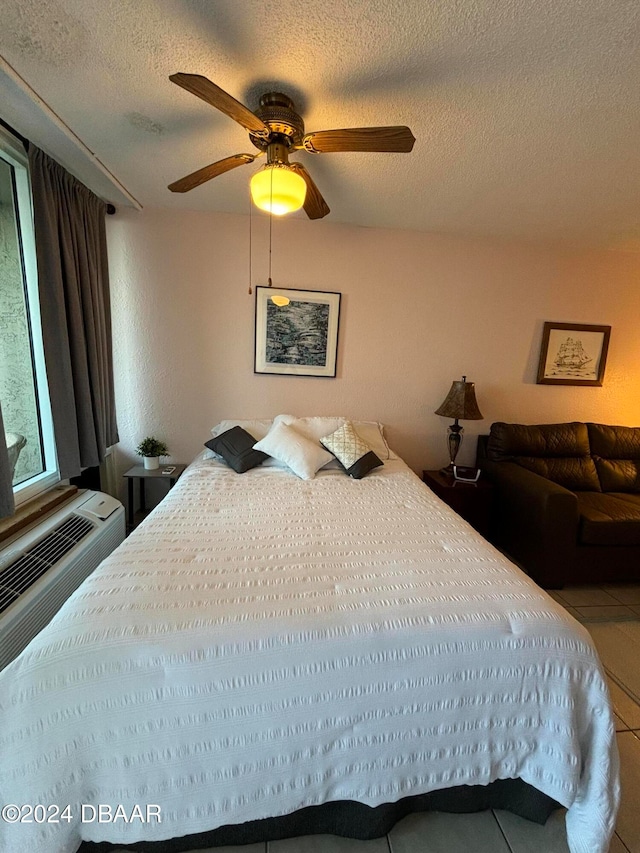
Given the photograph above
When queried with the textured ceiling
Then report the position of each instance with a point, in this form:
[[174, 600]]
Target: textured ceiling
[[526, 114]]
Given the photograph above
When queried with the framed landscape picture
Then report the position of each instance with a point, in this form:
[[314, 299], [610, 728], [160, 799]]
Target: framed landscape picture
[[296, 331], [573, 354]]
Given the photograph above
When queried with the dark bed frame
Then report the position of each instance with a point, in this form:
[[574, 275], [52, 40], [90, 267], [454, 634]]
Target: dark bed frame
[[354, 820]]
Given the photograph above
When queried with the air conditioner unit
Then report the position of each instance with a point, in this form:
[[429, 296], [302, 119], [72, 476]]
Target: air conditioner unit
[[41, 566]]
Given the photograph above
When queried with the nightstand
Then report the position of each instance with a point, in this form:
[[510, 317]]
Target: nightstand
[[472, 501], [140, 473]]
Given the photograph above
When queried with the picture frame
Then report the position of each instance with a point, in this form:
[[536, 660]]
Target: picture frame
[[573, 354], [296, 331]]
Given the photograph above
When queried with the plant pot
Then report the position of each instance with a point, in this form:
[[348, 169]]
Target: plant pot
[[151, 462]]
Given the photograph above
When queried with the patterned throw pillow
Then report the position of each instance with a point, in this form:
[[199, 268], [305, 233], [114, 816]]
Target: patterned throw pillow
[[351, 451]]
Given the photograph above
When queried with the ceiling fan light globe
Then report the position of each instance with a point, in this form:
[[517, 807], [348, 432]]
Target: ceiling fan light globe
[[280, 301], [278, 189]]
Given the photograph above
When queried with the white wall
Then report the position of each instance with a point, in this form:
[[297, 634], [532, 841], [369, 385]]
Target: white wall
[[418, 311]]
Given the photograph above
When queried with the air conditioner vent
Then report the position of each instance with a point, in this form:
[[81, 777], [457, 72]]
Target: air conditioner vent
[[61, 539], [31, 564], [43, 566], [19, 575], [6, 598]]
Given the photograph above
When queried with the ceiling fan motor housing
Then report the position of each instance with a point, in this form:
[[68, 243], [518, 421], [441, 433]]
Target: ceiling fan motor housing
[[275, 129], [276, 110]]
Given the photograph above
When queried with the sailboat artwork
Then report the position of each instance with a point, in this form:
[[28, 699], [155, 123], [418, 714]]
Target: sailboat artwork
[[573, 354], [571, 358]]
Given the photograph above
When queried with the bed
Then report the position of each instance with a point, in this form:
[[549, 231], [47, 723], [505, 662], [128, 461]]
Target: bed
[[265, 646]]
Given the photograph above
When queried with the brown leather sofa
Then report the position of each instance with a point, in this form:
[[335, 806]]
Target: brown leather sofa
[[567, 499]]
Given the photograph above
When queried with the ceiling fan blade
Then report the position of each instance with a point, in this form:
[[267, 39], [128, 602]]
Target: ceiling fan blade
[[395, 139], [314, 205], [193, 180], [221, 100]]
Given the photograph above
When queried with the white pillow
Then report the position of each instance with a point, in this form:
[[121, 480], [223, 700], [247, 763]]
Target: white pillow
[[372, 433], [313, 428], [298, 452], [257, 428]]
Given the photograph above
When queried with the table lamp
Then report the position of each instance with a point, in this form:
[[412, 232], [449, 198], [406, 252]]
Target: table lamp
[[459, 404]]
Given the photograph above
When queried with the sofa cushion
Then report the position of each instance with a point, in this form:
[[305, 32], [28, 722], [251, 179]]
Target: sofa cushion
[[632, 497], [608, 519], [616, 453], [576, 474], [559, 452]]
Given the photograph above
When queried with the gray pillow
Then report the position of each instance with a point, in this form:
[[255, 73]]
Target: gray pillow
[[236, 448]]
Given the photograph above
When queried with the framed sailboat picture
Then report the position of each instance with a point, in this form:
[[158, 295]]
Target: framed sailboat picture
[[573, 354]]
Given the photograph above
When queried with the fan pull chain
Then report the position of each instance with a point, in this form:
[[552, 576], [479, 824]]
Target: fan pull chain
[[270, 228], [270, 225], [250, 249]]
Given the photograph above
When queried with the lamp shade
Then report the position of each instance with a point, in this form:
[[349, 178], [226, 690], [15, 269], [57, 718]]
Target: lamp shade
[[278, 189], [460, 402]]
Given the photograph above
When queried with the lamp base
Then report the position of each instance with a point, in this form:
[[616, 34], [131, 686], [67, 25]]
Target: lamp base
[[454, 440]]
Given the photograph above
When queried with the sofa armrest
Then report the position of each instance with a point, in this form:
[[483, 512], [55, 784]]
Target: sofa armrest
[[535, 520]]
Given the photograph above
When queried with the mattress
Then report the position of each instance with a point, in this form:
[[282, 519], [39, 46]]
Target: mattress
[[263, 644]]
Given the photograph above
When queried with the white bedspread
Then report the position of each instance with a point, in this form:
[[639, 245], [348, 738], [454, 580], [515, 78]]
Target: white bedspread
[[262, 643]]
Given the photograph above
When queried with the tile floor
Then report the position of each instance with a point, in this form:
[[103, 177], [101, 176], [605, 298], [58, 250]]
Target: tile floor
[[612, 615]]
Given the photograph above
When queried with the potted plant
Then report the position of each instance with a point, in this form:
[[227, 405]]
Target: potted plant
[[151, 449]]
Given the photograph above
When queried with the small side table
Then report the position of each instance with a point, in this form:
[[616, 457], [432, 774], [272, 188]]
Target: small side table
[[472, 501], [140, 473]]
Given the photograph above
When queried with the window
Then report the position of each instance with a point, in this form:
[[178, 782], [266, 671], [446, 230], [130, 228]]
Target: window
[[23, 383]]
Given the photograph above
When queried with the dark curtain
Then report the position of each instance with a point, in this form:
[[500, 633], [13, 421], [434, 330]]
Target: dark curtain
[[73, 278], [6, 492]]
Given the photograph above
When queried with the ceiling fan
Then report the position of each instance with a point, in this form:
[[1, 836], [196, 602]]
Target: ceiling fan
[[275, 128]]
